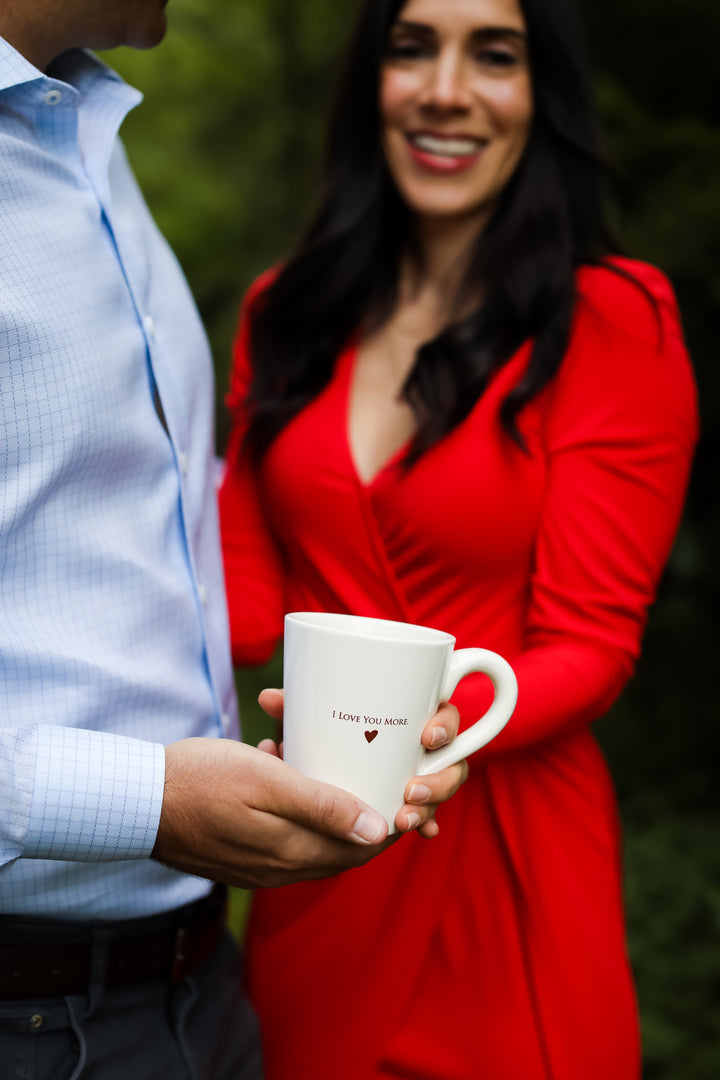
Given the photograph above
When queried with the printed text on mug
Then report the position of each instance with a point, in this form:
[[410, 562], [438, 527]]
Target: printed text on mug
[[393, 721]]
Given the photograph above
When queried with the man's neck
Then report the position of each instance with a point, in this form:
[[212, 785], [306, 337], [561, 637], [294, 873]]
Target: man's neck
[[29, 38]]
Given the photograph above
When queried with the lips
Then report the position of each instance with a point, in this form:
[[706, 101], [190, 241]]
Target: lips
[[445, 152]]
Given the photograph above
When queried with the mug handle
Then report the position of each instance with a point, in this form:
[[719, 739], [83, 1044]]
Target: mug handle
[[465, 662]]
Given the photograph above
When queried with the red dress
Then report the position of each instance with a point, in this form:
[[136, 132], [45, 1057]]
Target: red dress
[[498, 949]]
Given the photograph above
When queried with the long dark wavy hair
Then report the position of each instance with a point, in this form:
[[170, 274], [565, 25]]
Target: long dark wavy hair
[[344, 274]]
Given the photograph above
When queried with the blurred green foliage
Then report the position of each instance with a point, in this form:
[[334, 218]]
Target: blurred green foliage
[[227, 150]]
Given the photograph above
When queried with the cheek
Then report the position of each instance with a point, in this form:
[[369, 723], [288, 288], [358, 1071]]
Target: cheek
[[512, 108], [396, 92]]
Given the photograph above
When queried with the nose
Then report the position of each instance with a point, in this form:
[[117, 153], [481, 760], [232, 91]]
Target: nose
[[448, 86]]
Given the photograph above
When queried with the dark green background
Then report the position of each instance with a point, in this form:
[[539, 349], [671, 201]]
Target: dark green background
[[226, 148]]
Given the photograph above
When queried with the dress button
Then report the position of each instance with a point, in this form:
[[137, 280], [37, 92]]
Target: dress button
[[36, 1021], [202, 593], [53, 97]]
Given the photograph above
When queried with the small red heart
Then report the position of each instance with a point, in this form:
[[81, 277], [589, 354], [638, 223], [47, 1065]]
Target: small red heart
[[370, 735]]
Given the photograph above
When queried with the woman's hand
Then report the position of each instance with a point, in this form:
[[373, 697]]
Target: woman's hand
[[423, 794]]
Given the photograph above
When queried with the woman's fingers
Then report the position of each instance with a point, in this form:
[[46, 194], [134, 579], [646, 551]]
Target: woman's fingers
[[424, 794], [442, 727], [272, 702], [436, 787], [269, 747]]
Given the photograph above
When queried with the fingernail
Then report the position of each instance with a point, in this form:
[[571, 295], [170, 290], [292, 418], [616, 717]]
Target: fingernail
[[368, 827], [269, 690], [439, 736], [412, 821], [419, 793]]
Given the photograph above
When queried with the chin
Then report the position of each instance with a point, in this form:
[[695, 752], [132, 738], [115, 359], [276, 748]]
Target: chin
[[444, 209], [147, 37]]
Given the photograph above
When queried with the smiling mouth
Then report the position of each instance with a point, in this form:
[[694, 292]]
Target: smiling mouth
[[449, 146]]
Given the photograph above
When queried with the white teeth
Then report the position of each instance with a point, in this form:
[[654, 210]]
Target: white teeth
[[447, 147]]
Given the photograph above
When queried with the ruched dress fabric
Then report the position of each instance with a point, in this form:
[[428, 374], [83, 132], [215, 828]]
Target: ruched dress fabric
[[498, 949]]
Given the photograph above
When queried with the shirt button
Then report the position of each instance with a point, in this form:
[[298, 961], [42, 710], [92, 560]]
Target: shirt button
[[225, 722], [202, 593], [149, 324], [53, 97], [183, 459]]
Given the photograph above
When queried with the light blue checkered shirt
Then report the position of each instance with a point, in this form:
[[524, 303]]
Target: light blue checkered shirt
[[113, 628]]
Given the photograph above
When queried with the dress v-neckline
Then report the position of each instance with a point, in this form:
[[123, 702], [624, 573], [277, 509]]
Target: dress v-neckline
[[348, 362]]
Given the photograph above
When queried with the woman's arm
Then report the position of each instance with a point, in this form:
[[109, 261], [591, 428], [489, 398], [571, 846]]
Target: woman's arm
[[621, 429]]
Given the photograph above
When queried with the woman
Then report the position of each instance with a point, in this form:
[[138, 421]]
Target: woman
[[457, 406]]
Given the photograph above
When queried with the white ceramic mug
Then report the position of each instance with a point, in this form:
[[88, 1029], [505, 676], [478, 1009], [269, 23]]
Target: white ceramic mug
[[358, 693]]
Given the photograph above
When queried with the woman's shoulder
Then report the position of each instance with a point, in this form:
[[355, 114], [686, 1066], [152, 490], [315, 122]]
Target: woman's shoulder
[[631, 299], [241, 371], [618, 275], [257, 288], [626, 354]]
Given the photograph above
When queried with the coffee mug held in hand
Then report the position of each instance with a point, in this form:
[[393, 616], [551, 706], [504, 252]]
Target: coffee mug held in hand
[[359, 691]]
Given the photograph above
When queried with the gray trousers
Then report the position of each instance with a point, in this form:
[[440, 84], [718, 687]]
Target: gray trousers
[[201, 1028]]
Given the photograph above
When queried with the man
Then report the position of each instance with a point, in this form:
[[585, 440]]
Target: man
[[116, 784]]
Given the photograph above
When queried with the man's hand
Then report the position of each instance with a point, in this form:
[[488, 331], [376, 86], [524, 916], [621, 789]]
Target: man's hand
[[424, 793], [236, 815]]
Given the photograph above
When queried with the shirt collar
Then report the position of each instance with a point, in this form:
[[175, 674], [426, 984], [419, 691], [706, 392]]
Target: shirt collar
[[78, 67]]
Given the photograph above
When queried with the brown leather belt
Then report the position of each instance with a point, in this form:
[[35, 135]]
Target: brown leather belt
[[56, 969]]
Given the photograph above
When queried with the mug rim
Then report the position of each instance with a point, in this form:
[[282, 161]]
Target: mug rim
[[324, 622]]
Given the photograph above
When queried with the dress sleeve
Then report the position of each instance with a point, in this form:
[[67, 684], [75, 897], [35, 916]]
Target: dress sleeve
[[621, 430], [253, 570]]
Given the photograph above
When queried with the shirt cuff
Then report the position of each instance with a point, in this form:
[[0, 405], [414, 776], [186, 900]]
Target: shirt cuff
[[97, 796]]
